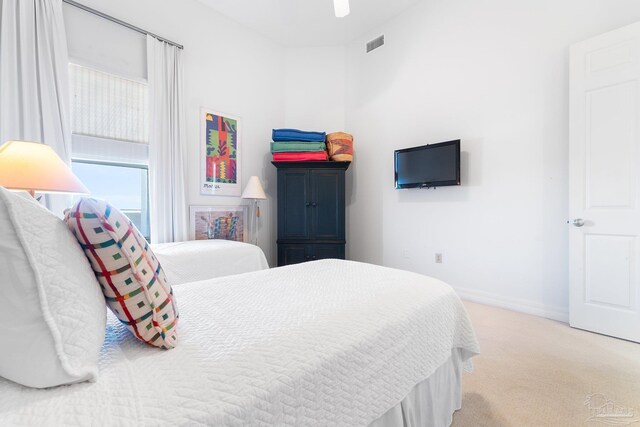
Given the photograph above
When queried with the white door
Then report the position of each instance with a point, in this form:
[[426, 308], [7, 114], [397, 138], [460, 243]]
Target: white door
[[604, 188]]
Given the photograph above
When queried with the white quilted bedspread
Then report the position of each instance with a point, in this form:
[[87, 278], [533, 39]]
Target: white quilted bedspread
[[322, 343], [185, 262]]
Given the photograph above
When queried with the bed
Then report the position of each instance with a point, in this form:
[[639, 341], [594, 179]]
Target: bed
[[196, 260], [323, 343]]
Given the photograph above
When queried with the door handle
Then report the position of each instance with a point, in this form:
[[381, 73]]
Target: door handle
[[578, 222], [314, 204], [307, 204]]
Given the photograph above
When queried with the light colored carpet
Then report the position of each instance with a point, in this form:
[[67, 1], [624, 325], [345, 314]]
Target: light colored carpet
[[538, 372]]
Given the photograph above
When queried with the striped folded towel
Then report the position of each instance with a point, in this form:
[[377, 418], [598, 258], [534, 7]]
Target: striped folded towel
[[297, 135], [296, 146], [300, 157]]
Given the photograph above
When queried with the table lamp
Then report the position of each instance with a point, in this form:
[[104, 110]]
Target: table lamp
[[31, 167], [254, 191]]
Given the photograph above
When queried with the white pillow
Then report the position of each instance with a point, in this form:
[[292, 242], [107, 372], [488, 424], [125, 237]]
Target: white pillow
[[52, 312]]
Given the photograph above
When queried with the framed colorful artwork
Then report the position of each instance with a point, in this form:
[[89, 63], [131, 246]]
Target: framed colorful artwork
[[218, 222], [220, 151]]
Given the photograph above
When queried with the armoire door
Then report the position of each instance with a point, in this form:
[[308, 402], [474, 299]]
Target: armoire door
[[294, 204], [292, 253], [327, 251], [328, 200]]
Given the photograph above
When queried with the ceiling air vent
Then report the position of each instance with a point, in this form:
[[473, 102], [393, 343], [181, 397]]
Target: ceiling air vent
[[375, 43]]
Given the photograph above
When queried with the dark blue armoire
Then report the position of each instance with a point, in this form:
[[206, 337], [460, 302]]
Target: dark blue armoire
[[311, 211]]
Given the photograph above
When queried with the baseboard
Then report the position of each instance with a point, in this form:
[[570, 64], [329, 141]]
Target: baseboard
[[515, 304]]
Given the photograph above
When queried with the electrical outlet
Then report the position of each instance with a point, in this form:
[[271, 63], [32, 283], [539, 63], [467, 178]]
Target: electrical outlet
[[438, 258], [405, 254]]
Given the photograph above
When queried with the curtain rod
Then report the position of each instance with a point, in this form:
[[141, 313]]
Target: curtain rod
[[118, 21]]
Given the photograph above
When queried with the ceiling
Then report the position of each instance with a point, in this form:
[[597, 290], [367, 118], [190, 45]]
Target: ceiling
[[309, 22]]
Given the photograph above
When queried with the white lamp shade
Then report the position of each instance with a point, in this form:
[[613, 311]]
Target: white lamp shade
[[32, 166], [341, 7], [254, 190]]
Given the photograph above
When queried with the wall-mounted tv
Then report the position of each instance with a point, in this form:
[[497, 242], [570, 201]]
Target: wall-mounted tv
[[433, 165]]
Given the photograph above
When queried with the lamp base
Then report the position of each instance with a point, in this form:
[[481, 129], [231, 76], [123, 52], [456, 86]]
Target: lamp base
[[255, 215]]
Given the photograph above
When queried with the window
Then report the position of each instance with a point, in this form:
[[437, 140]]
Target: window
[[110, 151], [124, 186]]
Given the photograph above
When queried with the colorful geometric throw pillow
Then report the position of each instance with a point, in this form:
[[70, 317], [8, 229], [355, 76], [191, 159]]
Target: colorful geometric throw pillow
[[132, 280]]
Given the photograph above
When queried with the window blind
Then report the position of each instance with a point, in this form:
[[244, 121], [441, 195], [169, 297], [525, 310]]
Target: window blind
[[107, 106]]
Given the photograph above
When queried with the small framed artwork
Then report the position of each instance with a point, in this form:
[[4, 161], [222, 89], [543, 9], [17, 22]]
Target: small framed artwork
[[218, 222], [220, 137]]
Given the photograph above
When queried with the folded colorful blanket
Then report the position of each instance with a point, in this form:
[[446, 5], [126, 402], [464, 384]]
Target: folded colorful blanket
[[300, 157], [297, 135], [340, 147], [296, 146]]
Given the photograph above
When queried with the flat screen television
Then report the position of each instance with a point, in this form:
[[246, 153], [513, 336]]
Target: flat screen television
[[433, 165]]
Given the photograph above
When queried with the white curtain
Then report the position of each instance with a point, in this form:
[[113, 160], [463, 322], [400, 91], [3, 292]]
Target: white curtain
[[34, 80], [168, 218]]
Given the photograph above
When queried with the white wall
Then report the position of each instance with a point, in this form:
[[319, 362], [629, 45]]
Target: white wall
[[493, 73], [315, 88], [226, 68]]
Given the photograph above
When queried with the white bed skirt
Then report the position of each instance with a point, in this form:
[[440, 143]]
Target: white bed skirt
[[432, 402]]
